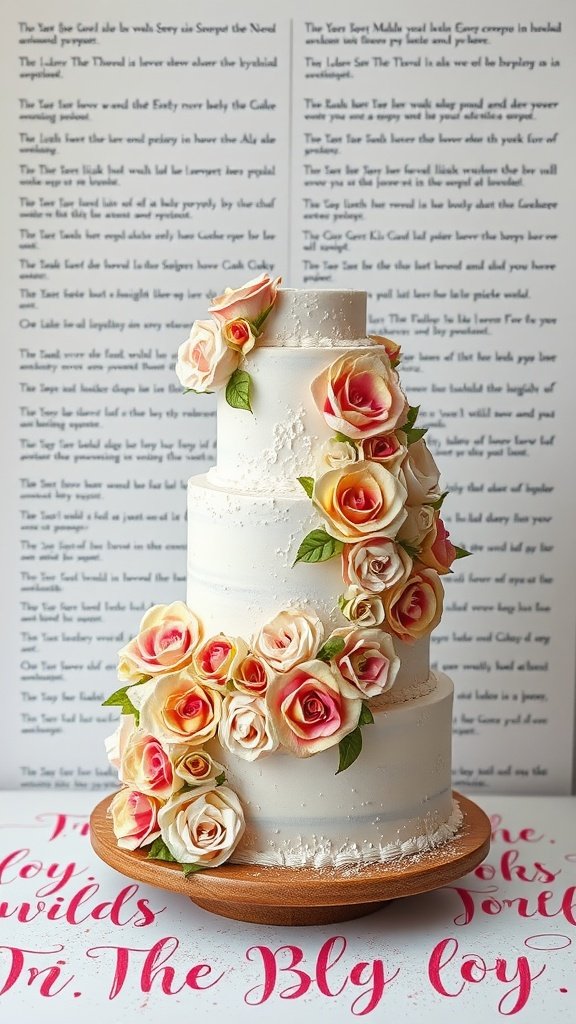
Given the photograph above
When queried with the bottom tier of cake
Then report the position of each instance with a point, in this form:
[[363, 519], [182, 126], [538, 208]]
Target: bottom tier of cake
[[394, 801]]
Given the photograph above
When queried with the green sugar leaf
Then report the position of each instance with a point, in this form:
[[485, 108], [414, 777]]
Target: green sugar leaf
[[412, 416], [366, 716], [342, 437], [191, 869], [462, 553], [221, 779], [307, 483], [318, 546], [349, 748], [414, 434], [159, 851], [120, 699], [439, 501], [238, 390], [331, 648]]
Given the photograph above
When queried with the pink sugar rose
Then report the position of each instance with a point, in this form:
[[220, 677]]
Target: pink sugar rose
[[168, 636], [368, 664], [205, 362], [248, 302], [146, 766], [308, 709], [216, 659], [134, 818], [438, 551], [414, 607], [359, 395], [364, 500]]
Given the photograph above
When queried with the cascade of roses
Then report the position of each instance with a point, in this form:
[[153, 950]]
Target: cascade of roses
[[288, 688], [378, 494], [212, 356]]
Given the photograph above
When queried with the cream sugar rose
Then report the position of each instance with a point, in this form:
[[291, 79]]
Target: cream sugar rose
[[338, 581]]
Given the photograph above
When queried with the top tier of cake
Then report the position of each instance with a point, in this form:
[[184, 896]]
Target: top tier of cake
[[328, 318], [268, 451]]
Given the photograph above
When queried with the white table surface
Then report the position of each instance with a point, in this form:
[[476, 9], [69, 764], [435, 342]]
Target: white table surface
[[78, 940]]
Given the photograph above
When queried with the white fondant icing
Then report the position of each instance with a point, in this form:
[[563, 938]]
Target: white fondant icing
[[324, 317], [395, 800]]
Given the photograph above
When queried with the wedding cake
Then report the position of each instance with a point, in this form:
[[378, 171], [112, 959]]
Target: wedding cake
[[286, 713]]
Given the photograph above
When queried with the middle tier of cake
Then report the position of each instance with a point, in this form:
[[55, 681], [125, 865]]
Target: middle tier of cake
[[241, 572]]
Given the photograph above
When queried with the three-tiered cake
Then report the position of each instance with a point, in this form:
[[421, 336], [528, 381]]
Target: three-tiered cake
[[315, 551]]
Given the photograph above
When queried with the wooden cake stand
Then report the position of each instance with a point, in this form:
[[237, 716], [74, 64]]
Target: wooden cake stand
[[302, 896]]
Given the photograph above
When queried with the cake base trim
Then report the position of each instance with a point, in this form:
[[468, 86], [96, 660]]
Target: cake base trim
[[326, 854]]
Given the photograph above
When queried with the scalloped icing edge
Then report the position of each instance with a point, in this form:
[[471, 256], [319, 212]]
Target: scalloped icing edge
[[322, 855]]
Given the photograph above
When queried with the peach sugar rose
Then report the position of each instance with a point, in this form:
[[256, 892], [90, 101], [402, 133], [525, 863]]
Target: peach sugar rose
[[168, 636], [216, 659], [309, 711], [438, 551], [252, 675], [414, 608], [245, 727], [420, 474], [134, 818], [359, 395], [290, 637], [248, 302], [239, 336], [196, 767], [375, 564], [362, 501], [176, 708]]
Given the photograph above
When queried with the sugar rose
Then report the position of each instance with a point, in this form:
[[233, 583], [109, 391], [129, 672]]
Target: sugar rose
[[178, 709], [202, 826], [392, 348], [245, 727], [336, 454], [205, 362], [252, 675], [168, 636], [368, 664], [116, 743], [308, 709], [362, 608], [239, 336], [417, 525], [414, 607], [248, 302], [196, 767], [290, 637], [375, 564], [146, 766], [216, 659], [134, 819], [359, 395], [363, 501], [438, 551], [421, 474], [387, 449]]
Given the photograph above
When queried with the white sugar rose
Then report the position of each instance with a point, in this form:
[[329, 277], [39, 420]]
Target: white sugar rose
[[336, 454], [367, 665], [417, 525], [292, 636], [245, 727], [202, 826], [205, 362], [374, 564], [421, 474], [361, 608]]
